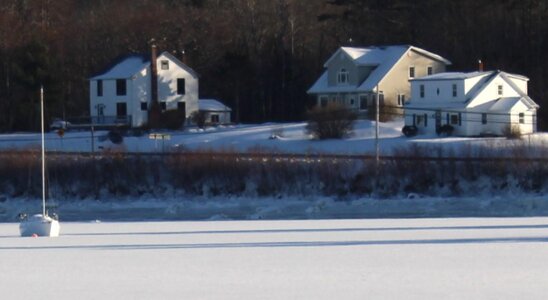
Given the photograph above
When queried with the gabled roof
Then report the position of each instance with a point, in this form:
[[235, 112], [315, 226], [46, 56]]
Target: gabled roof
[[127, 66], [500, 104], [124, 67], [179, 63], [377, 55], [212, 105], [381, 58], [451, 76]]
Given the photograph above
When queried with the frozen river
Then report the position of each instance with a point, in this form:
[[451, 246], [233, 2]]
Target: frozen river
[[467, 258]]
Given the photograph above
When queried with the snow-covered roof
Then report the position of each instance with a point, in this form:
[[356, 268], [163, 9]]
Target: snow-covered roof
[[128, 66], [382, 58], [504, 104], [212, 105], [322, 86], [451, 76], [377, 55], [124, 68]]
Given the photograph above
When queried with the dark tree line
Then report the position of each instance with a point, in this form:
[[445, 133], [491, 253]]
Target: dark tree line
[[259, 56]]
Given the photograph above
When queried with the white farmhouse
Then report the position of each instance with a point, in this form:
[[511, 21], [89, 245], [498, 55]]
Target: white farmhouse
[[352, 75], [123, 94], [473, 104]]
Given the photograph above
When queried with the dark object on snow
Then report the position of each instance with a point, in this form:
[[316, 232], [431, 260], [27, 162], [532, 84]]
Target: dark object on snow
[[445, 130], [409, 130], [115, 137]]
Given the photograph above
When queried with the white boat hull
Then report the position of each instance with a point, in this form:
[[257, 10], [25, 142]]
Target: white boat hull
[[39, 225]]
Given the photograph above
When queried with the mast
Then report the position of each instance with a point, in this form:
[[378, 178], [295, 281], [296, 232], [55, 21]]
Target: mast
[[43, 152]]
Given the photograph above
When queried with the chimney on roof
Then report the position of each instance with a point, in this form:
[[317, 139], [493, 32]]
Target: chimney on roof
[[480, 65], [153, 72], [183, 57]]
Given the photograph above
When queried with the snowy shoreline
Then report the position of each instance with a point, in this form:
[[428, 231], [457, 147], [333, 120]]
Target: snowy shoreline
[[286, 208]]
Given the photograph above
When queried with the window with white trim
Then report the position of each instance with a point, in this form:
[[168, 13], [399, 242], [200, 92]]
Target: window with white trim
[[429, 70], [164, 64], [521, 118], [411, 72], [401, 99], [500, 90], [342, 77]]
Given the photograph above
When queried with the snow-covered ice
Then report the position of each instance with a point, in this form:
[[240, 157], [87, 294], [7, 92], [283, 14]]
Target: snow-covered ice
[[466, 258]]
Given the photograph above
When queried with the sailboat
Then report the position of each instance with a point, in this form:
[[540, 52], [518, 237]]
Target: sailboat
[[41, 224]]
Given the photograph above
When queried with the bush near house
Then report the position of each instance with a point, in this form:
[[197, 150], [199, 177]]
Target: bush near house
[[198, 118], [331, 122], [512, 132], [387, 113], [445, 130], [409, 130]]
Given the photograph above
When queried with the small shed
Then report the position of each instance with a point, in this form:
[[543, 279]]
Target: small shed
[[215, 111]]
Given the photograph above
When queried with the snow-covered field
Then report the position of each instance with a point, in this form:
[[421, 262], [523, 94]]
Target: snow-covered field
[[290, 138], [478, 258]]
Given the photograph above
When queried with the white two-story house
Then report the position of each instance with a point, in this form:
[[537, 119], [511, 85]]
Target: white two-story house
[[123, 93], [352, 75], [476, 103]]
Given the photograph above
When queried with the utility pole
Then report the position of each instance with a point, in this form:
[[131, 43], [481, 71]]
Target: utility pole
[[377, 108]]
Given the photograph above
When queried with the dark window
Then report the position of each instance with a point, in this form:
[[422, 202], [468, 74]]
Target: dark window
[[323, 101], [483, 118], [99, 88], [164, 65], [121, 109], [163, 105], [214, 118], [411, 72], [521, 118], [454, 119], [422, 90], [363, 102], [181, 106], [500, 90], [429, 71], [454, 90], [180, 86], [352, 102], [121, 87], [425, 120], [144, 106]]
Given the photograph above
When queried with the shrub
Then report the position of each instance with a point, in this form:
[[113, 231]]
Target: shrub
[[198, 118], [331, 122], [386, 113], [409, 130], [512, 131], [172, 119], [446, 130]]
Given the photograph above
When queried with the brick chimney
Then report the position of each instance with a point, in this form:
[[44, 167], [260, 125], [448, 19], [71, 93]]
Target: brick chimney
[[480, 65], [154, 73], [184, 57]]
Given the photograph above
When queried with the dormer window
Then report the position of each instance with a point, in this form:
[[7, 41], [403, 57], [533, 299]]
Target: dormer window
[[500, 90], [164, 64], [342, 77]]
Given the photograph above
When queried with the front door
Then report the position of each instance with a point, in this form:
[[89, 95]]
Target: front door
[[438, 119], [121, 109], [121, 113]]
